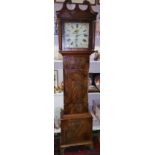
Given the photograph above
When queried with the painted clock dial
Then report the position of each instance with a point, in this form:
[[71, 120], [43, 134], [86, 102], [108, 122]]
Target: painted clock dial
[[76, 35]]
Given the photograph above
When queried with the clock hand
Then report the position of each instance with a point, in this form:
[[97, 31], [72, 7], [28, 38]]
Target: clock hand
[[81, 34], [76, 31]]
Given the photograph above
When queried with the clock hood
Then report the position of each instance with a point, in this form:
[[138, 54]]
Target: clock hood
[[76, 13]]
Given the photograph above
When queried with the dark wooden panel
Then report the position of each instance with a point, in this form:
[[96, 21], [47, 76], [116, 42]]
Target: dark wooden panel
[[76, 129], [76, 84], [75, 91], [76, 62]]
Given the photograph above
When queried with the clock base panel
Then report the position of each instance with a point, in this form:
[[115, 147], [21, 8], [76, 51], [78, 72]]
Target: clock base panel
[[76, 129]]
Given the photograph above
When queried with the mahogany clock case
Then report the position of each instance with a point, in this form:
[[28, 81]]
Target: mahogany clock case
[[76, 120]]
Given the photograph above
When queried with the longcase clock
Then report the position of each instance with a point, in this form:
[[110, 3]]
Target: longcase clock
[[76, 42]]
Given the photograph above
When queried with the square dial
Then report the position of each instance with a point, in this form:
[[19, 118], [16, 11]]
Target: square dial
[[76, 35]]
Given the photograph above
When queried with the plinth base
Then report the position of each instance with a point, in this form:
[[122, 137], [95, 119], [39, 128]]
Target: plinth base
[[76, 129]]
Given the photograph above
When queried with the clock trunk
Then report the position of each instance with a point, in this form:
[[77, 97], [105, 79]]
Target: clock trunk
[[76, 83]]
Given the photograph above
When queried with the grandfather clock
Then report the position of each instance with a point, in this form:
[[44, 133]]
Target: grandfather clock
[[76, 42]]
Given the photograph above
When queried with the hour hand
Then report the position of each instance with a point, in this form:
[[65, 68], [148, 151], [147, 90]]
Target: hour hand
[[76, 31]]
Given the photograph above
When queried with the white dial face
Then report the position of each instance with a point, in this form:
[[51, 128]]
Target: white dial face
[[76, 35]]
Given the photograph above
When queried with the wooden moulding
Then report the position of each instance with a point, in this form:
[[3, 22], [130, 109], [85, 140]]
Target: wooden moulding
[[66, 13], [75, 116], [80, 52]]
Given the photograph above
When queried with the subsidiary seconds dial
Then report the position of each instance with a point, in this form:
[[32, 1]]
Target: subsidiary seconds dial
[[76, 35]]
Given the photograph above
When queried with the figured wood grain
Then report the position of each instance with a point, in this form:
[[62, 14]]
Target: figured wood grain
[[76, 62], [74, 94], [76, 129], [76, 84]]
